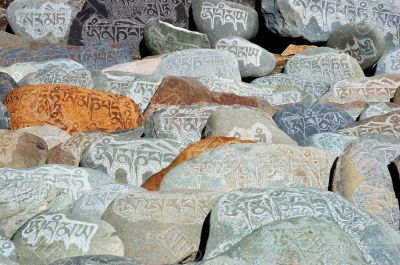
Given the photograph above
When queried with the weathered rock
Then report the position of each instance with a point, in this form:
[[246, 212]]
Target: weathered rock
[[286, 95], [50, 134], [396, 99], [153, 183], [253, 60], [189, 91], [376, 109], [316, 22], [71, 108], [4, 117], [303, 120], [7, 249], [332, 142], [245, 124], [145, 66], [160, 227], [250, 3], [252, 165], [95, 202], [362, 176], [238, 213], [353, 108], [42, 20], [219, 19], [7, 84], [6, 261], [70, 235], [387, 124], [389, 63], [20, 150], [123, 22], [313, 88], [182, 123], [96, 260], [130, 161], [288, 242], [200, 63], [161, 37], [327, 68]]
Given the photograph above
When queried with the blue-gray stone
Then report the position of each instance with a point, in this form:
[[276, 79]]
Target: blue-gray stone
[[7, 83], [4, 117], [332, 142], [389, 63]]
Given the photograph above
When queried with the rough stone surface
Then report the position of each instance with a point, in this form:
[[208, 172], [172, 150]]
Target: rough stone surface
[[362, 176], [7, 249], [130, 161], [387, 124], [20, 150], [245, 124], [328, 68], [160, 227], [252, 165], [200, 63], [193, 150], [37, 244], [7, 84], [362, 41], [238, 213], [80, 109], [332, 142], [219, 19], [4, 117], [389, 63], [50, 134], [303, 120], [253, 60], [376, 109], [396, 99], [316, 20], [161, 37], [145, 66], [96, 260]]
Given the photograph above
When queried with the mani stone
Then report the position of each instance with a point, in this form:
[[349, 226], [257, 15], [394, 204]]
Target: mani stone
[[123, 22], [72, 181], [145, 66], [362, 41], [160, 227], [96, 260], [238, 213], [301, 240], [184, 123], [312, 87], [161, 37], [43, 20], [315, 21], [189, 91], [153, 183], [21, 150], [389, 63], [387, 124], [327, 68], [252, 165], [245, 124], [95, 202], [376, 109], [362, 176], [72, 109], [19, 202], [333, 143], [7, 249], [220, 19], [200, 63], [130, 161], [4, 117], [303, 120], [51, 236], [7, 84], [50, 134], [253, 60]]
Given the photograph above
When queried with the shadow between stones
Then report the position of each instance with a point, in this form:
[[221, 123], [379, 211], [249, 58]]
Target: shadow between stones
[[395, 174]]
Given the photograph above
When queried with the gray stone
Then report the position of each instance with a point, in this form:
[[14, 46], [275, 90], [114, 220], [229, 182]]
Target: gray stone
[[161, 37], [7, 249], [254, 61], [96, 260], [6, 261], [250, 3], [389, 63], [327, 68], [245, 124], [303, 120], [362, 41], [7, 84], [313, 88], [50, 237], [160, 227], [219, 19], [238, 213], [251, 165], [200, 63], [130, 161], [5, 122], [376, 109], [318, 50], [332, 142], [362, 176], [52, 135], [95, 202], [316, 20], [43, 20]]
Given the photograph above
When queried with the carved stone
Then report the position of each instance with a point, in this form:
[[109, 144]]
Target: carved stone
[[7, 83], [376, 109], [96, 260], [50, 134], [4, 117], [332, 142], [389, 63]]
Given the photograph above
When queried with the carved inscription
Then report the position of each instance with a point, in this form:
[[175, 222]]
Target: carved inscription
[[62, 75], [362, 50], [7, 248], [393, 61], [8, 143], [258, 132], [384, 86], [168, 42], [224, 14], [248, 54]]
